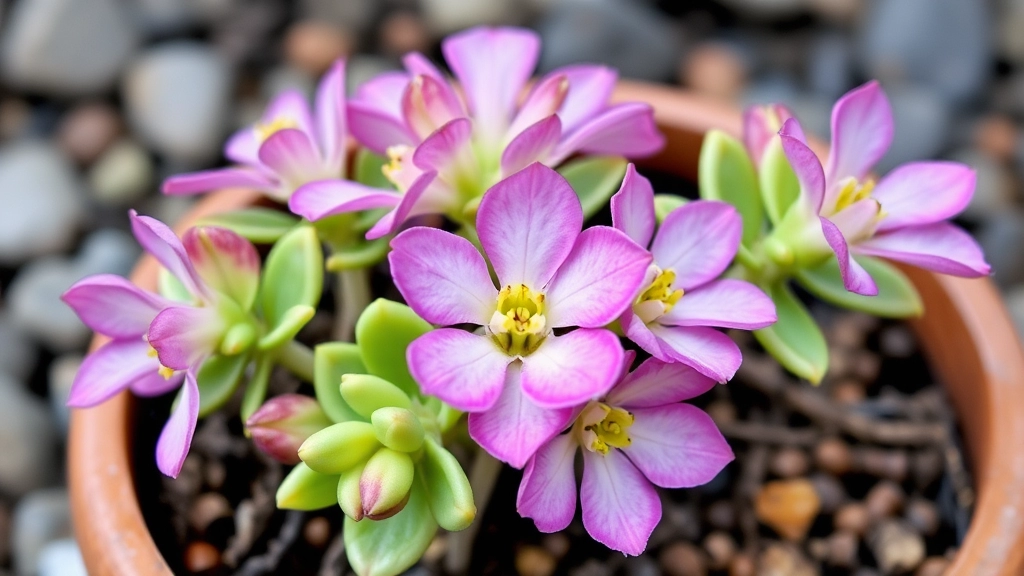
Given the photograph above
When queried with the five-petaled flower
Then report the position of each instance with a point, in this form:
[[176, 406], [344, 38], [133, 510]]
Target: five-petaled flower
[[520, 373], [840, 209], [156, 343], [289, 147], [681, 301], [638, 435], [445, 150]]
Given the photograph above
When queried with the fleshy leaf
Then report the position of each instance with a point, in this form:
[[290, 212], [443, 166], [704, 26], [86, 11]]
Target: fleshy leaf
[[368, 170], [594, 179], [304, 489], [256, 390], [358, 254], [383, 332], [293, 275], [795, 339], [726, 173], [897, 297], [289, 325], [366, 394], [398, 428], [779, 186], [257, 224], [340, 447], [218, 379], [389, 547], [448, 491], [666, 203], [171, 288], [331, 361]]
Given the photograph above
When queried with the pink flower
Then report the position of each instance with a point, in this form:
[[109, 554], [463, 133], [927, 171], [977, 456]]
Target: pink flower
[[157, 343], [761, 125], [903, 217], [289, 147], [517, 377], [681, 302], [448, 146], [637, 437]]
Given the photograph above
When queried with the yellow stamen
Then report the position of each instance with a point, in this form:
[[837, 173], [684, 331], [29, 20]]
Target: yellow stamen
[[853, 191], [392, 169], [518, 324], [267, 129], [658, 298], [602, 427], [163, 370]]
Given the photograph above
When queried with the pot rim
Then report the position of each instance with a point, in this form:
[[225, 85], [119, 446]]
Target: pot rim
[[966, 334]]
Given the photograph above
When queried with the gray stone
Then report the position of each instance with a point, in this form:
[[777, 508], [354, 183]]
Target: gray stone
[[162, 17], [40, 518], [830, 65], [1001, 238], [995, 187], [123, 173], [18, 354], [27, 441], [62, 558], [66, 47], [34, 294], [768, 9], [285, 77], [446, 16], [944, 44], [352, 14], [629, 36], [923, 122], [41, 198], [1011, 22], [61, 376], [177, 97]]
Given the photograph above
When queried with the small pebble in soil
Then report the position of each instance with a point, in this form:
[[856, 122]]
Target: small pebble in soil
[[784, 560], [789, 462], [534, 561], [743, 565], [853, 518], [87, 130], [833, 456], [884, 463], [788, 507], [402, 32], [848, 391], [830, 490], [842, 549], [206, 509], [884, 499], [317, 532], [312, 46], [683, 559], [201, 556], [721, 515], [722, 412], [557, 544], [925, 467], [923, 516], [896, 546], [934, 566], [720, 548]]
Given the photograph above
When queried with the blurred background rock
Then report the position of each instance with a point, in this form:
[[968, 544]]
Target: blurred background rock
[[102, 99]]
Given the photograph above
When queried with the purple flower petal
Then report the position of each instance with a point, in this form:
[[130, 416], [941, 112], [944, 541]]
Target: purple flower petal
[[417, 63], [862, 129], [155, 384], [759, 129], [620, 507], [940, 247], [677, 446], [207, 180], [547, 492], [597, 281], [641, 334], [493, 65], [515, 428], [428, 104], [377, 129], [330, 116], [243, 147], [289, 107], [176, 437], [414, 202], [657, 383], [590, 87], [462, 369], [534, 144], [855, 278], [571, 369], [111, 369], [323, 198], [293, 156], [725, 303], [805, 164], [225, 261], [528, 224], [543, 101], [448, 147], [633, 207], [924, 192], [698, 242], [858, 221], [623, 130], [113, 306], [442, 277], [384, 93], [707, 350], [156, 238], [183, 335]]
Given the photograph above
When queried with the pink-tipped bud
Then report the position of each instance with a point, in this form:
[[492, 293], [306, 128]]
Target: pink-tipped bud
[[429, 104], [761, 124], [224, 260], [283, 423], [385, 483]]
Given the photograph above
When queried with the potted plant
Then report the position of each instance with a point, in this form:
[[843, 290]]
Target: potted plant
[[976, 346]]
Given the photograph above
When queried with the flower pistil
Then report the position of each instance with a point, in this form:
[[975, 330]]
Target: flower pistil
[[602, 427], [518, 323]]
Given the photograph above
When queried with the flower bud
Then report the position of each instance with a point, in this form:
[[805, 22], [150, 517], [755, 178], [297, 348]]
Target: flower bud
[[761, 125], [237, 339], [398, 429], [283, 423], [365, 394], [349, 499], [224, 260], [337, 448], [385, 483]]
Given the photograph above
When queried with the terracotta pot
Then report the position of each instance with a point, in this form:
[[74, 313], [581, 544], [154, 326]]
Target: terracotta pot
[[966, 333]]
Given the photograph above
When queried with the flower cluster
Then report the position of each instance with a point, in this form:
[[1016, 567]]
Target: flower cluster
[[555, 337]]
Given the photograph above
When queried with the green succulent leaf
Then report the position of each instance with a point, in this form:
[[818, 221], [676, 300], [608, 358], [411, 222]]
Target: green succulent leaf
[[595, 179], [726, 173], [359, 254], [447, 488], [368, 169], [256, 391], [337, 448], [218, 379], [666, 203], [398, 428], [390, 547], [779, 186], [293, 275], [257, 224], [304, 489], [384, 331], [331, 361], [366, 394], [795, 339], [171, 288], [291, 322], [897, 297]]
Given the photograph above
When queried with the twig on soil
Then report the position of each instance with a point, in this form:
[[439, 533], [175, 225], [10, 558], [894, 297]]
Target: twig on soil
[[752, 473], [252, 515], [334, 562], [769, 434], [267, 563]]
